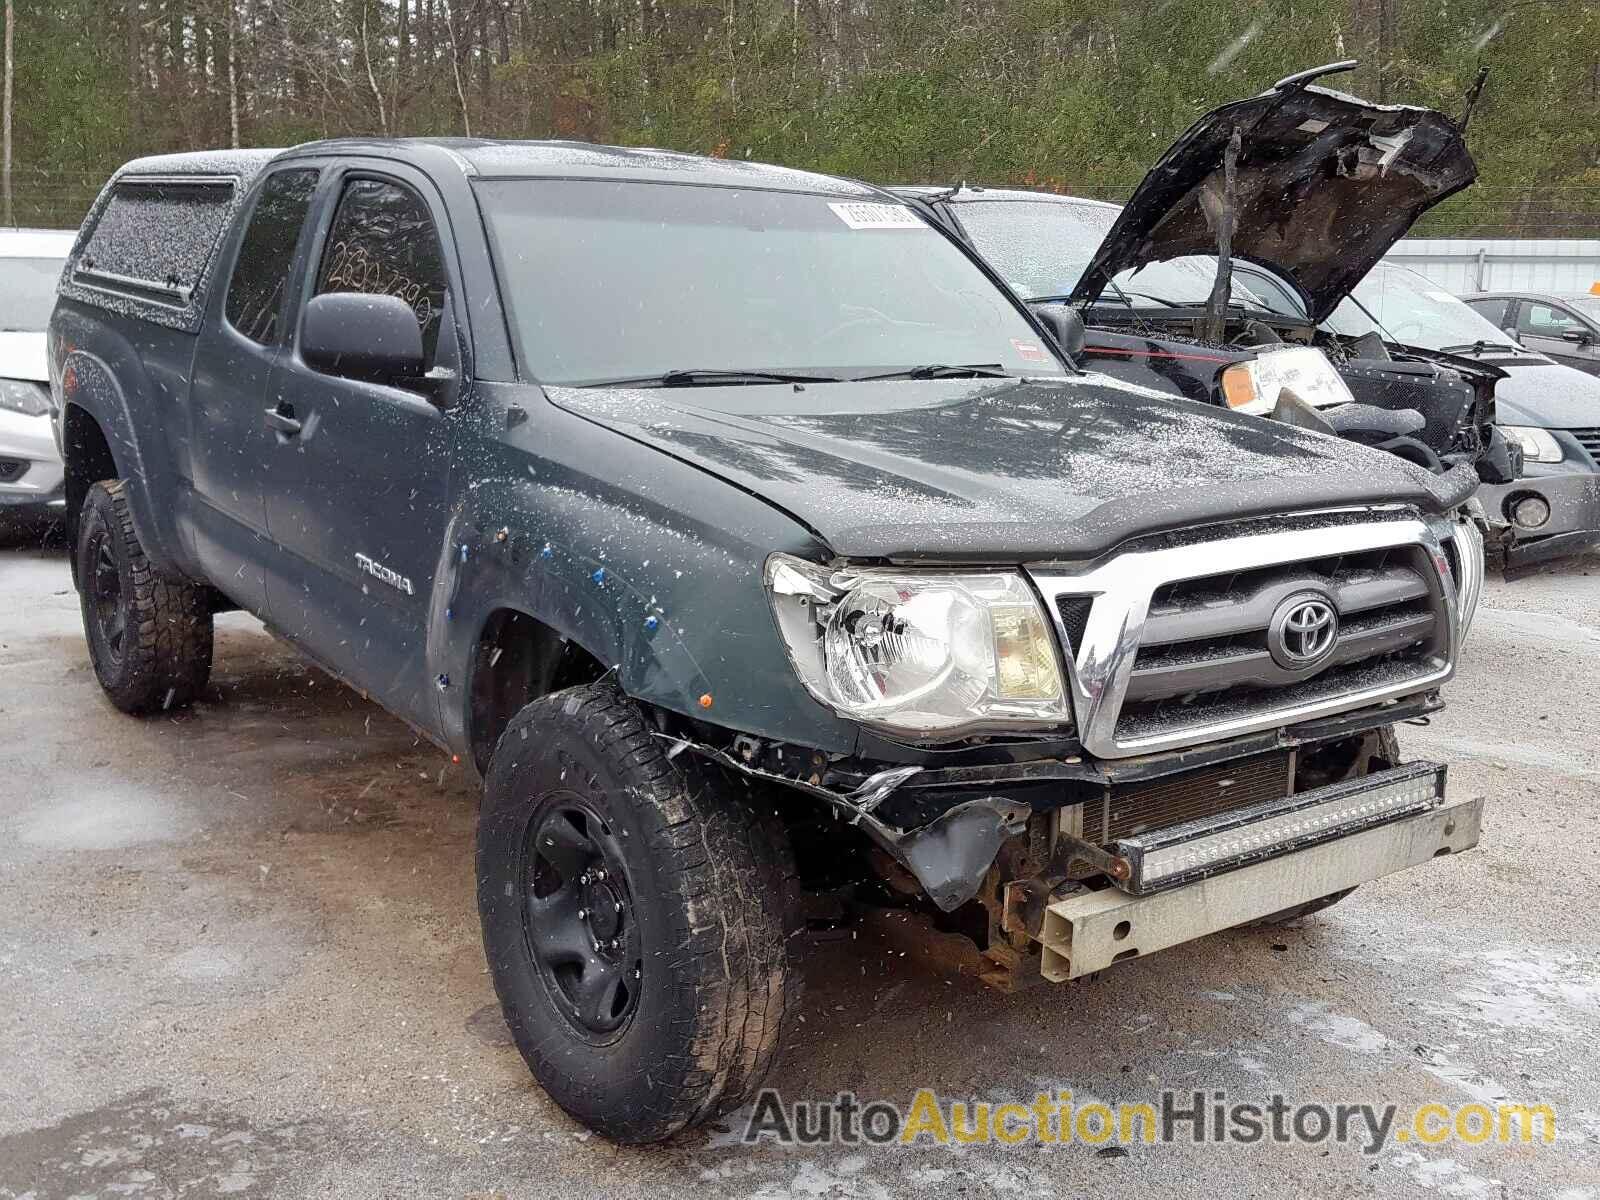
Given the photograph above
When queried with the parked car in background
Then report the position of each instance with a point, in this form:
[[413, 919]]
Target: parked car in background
[[1552, 411], [30, 467], [1322, 185], [1566, 328], [750, 539]]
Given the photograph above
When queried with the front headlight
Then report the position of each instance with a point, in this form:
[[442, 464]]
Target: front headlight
[[1254, 386], [920, 652], [1537, 444], [22, 396]]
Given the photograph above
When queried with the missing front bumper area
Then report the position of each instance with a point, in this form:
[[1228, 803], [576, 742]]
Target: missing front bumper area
[[1090, 931], [1166, 858]]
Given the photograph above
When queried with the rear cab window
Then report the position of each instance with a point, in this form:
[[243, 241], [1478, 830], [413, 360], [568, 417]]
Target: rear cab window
[[261, 271]]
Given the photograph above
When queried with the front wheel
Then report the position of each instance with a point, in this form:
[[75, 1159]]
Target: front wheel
[[637, 916], [149, 634]]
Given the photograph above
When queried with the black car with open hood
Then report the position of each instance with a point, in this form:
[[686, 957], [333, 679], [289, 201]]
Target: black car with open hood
[[1214, 279], [1312, 184]]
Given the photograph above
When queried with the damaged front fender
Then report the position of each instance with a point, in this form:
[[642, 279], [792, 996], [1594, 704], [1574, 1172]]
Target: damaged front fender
[[948, 857]]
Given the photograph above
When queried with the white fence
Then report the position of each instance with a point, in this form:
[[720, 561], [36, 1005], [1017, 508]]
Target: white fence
[[1467, 265]]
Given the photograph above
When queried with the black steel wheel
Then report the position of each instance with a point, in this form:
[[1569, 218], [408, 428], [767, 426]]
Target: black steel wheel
[[103, 601], [579, 918], [149, 633], [637, 917]]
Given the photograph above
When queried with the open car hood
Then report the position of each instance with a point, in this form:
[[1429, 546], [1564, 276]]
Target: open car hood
[[1325, 184]]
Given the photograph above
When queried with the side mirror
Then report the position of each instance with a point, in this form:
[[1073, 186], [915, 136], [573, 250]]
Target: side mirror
[[362, 336], [1065, 324], [1582, 336]]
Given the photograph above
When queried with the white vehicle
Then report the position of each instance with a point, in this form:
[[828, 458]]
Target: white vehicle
[[30, 466]]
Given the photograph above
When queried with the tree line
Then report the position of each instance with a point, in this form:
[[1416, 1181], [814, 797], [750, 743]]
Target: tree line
[[1075, 95]]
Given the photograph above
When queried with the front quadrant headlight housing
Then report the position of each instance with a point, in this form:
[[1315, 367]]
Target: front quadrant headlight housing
[[924, 653], [1256, 385]]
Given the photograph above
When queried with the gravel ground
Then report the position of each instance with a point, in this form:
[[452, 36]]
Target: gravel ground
[[239, 956]]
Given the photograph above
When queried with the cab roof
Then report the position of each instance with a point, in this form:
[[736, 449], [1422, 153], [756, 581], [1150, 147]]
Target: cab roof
[[489, 158]]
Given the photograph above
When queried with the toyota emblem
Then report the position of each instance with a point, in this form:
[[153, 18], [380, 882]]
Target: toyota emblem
[[1303, 632]]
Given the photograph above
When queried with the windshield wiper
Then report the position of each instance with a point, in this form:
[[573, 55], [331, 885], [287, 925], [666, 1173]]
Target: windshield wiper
[[942, 371], [1481, 347], [712, 377]]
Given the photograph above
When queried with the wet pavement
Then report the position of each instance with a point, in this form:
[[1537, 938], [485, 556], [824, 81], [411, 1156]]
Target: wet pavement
[[239, 956]]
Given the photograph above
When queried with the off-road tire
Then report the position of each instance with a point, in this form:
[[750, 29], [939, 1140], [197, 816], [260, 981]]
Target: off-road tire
[[1389, 748], [161, 658], [713, 899]]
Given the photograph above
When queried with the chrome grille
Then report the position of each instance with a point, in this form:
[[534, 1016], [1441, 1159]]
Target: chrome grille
[[1209, 635], [1178, 646], [1589, 439]]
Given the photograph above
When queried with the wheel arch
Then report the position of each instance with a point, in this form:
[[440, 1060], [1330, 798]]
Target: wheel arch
[[516, 658], [87, 458], [99, 428]]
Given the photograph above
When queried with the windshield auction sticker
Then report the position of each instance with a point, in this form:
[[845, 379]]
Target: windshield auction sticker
[[861, 215], [1195, 1117]]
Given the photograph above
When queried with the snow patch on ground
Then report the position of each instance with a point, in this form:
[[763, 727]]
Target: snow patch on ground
[[1337, 1029], [104, 820]]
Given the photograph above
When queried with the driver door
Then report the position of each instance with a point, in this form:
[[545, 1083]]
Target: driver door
[[358, 478]]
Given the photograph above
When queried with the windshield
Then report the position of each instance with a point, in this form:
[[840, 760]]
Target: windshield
[[612, 281], [1042, 248], [27, 293], [1409, 308]]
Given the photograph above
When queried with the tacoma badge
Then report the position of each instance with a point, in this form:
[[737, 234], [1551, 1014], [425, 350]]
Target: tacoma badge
[[378, 571]]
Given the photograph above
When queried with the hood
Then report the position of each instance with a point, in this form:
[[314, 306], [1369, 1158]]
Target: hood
[[1325, 185], [1546, 394], [23, 356], [996, 471]]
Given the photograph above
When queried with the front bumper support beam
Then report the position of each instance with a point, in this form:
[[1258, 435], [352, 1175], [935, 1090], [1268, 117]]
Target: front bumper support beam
[[1090, 931]]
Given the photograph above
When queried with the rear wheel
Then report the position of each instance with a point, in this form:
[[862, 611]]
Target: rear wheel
[[149, 635], [637, 916]]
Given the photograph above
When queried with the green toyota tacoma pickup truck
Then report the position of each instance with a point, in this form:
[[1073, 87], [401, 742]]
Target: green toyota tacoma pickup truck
[[767, 558]]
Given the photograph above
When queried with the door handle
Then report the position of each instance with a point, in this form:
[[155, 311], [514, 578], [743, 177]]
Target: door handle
[[283, 420]]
